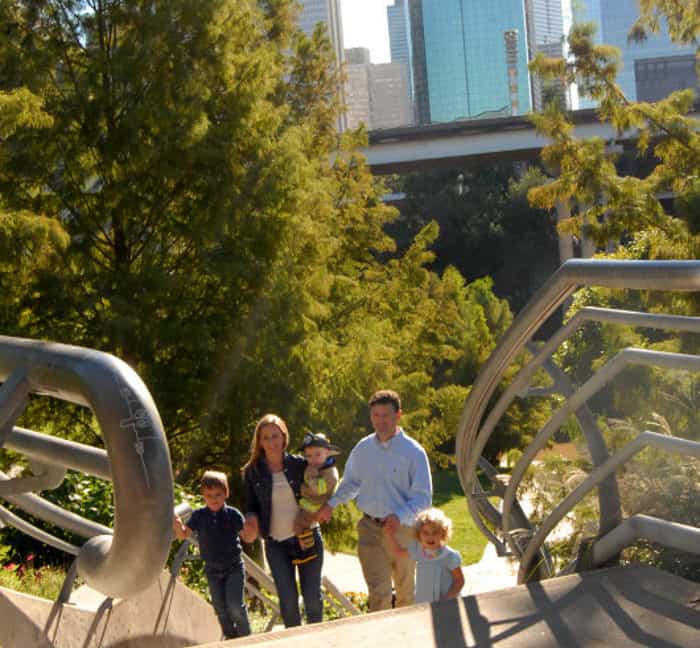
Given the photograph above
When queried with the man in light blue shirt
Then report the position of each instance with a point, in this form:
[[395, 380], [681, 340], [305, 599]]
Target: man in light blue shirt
[[388, 475]]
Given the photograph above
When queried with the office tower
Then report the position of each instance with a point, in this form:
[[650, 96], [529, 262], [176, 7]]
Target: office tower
[[357, 94], [398, 20], [327, 12], [614, 19], [656, 78], [460, 58], [545, 32], [376, 95], [389, 93], [357, 56]]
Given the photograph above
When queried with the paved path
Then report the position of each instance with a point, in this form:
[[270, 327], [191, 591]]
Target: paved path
[[490, 573]]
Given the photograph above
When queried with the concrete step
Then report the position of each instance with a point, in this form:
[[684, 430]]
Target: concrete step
[[631, 606]]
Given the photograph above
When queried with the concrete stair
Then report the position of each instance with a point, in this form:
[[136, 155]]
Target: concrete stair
[[166, 615], [620, 606]]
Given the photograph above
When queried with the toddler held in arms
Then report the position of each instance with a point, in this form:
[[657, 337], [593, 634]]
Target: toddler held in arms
[[438, 572], [320, 480]]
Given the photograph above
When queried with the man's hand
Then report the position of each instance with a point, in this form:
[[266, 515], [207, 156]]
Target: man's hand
[[391, 523], [324, 515]]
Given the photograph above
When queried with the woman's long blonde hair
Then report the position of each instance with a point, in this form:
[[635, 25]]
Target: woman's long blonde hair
[[256, 450]]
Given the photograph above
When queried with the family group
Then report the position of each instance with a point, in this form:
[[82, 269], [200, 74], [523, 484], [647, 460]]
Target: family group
[[401, 540]]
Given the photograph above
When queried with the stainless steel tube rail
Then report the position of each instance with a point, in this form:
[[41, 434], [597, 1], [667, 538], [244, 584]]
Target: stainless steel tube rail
[[35, 532], [669, 534], [582, 395], [643, 440], [472, 435], [129, 560]]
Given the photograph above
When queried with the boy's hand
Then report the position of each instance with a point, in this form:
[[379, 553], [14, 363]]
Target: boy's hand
[[179, 529], [250, 529]]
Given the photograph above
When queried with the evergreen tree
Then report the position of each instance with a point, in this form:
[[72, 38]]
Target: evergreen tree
[[188, 206]]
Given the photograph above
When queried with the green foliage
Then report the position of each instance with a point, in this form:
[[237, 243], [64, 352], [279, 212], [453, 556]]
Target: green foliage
[[547, 483], [626, 210], [44, 582], [182, 200], [449, 498], [611, 207], [487, 228]]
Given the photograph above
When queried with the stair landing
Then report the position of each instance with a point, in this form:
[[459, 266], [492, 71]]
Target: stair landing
[[619, 606]]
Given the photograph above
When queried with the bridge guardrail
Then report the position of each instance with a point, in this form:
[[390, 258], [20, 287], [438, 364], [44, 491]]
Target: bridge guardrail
[[512, 532], [118, 562]]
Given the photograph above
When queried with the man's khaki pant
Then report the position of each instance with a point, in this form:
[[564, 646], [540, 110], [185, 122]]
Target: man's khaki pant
[[380, 566]]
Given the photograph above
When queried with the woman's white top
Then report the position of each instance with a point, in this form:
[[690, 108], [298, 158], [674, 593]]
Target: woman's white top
[[284, 508]]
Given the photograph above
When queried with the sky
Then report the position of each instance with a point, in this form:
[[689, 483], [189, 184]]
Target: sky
[[364, 25]]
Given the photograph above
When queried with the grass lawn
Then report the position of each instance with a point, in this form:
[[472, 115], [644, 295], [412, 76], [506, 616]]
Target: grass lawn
[[449, 498]]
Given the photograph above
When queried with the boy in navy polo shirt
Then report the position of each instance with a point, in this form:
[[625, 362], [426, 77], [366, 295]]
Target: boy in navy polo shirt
[[217, 526]]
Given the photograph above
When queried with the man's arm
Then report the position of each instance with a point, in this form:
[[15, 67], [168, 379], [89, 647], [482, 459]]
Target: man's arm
[[347, 489], [394, 545], [420, 495]]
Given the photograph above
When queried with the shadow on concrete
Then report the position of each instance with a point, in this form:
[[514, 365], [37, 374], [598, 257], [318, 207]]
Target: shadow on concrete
[[632, 606], [104, 611], [447, 624], [165, 607], [10, 613]]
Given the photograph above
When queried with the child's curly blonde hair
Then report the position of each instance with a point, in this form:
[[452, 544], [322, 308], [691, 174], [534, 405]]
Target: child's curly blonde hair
[[435, 517]]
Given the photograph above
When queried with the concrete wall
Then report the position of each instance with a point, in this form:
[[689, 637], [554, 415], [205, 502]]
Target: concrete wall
[[167, 615]]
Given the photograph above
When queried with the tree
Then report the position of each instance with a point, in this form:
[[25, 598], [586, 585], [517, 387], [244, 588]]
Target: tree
[[487, 228], [627, 211], [612, 207], [196, 226]]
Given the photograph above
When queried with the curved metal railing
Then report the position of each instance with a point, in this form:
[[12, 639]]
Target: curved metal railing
[[127, 559], [507, 527]]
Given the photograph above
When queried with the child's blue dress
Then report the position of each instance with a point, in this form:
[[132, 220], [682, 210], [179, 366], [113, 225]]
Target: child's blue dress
[[433, 571]]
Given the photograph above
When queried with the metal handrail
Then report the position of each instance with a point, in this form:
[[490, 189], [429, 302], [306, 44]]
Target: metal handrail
[[127, 560], [473, 433]]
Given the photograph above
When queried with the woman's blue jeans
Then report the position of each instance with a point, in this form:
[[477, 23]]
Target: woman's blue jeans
[[280, 557], [226, 587]]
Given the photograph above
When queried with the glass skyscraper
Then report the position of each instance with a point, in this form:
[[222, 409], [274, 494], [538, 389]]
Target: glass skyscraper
[[614, 19], [470, 58], [545, 32], [327, 12], [400, 36]]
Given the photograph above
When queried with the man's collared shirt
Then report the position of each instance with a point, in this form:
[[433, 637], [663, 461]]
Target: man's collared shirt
[[391, 478]]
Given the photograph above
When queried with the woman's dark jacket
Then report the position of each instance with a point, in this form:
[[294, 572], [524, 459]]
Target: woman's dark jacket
[[258, 487]]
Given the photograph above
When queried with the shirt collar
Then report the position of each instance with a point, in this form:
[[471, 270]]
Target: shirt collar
[[387, 444]]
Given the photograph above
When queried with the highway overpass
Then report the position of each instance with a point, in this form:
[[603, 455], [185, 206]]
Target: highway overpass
[[451, 144]]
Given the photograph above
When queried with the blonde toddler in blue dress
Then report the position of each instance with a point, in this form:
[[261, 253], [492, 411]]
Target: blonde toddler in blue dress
[[438, 567]]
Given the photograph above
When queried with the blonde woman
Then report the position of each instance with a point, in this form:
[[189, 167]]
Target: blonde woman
[[273, 480]]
